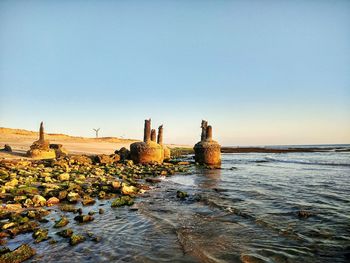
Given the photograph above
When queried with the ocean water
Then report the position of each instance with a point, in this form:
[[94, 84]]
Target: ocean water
[[246, 210]]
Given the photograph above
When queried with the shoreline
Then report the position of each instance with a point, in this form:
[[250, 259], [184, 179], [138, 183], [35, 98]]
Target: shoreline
[[282, 150], [59, 192]]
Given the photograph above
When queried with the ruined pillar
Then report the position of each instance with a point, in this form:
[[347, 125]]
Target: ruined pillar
[[147, 131], [207, 151], [160, 135], [209, 133], [204, 130], [153, 135], [41, 132], [148, 151]]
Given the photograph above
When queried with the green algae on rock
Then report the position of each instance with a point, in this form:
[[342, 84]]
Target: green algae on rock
[[123, 200], [40, 235], [18, 255], [76, 239], [63, 221], [65, 233]]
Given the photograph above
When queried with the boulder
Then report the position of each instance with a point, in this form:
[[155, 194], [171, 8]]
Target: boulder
[[59, 150], [123, 153], [7, 148], [39, 200]]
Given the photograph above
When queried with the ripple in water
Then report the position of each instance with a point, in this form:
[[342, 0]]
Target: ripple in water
[[248, 210]]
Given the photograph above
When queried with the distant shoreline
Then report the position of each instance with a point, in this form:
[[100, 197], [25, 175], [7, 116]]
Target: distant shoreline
[[284, 150]]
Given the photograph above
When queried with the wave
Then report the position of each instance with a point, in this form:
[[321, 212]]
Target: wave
[[307, 162]]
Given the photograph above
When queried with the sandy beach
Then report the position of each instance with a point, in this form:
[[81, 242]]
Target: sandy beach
[[20, 141]]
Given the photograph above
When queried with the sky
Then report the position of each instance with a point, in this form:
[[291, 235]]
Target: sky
[[261, 72]]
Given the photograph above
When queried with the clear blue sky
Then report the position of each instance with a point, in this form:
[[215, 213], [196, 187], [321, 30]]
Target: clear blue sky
[[261, 72]]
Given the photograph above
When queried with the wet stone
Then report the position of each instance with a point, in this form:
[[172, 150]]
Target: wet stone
[[63, 221], [18, 255], [65, 233], [76, 239]]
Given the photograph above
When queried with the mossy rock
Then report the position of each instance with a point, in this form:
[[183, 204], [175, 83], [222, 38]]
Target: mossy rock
[[63, 221], [76, 239], [122, 201], [18, 255]]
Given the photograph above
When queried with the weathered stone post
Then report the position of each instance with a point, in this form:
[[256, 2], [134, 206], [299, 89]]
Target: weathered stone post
[[40, 149], [41, 132], [207, 151], [204, 130], [147, 131], [160, 135], [153, 135], [166, 149], [147, 151], [209, 133]]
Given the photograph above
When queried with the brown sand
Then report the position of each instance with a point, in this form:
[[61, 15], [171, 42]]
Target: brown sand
[[20, 141]]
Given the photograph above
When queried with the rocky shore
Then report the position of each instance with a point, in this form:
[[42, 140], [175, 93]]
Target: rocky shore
[[31, 189]]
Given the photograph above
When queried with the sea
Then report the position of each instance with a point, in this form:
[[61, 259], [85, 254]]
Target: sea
[[259, 207]]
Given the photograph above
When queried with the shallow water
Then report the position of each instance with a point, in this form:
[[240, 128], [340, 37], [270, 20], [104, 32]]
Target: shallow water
[[249, 207]]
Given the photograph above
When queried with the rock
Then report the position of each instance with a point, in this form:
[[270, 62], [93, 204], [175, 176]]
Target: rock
[[40, 235], [12, 183], [129, 162], [123, 153], [62, 194], [121, 201], [101, 194], [63, 221], [115, 158], [65, 233], [68, 208], [116, 184], [18, 255], [25, 228], [129, 189], [153, 180], [64, 177], [76, 239], [80, 159], [304, 214], [73, 197], [103, 159], [4, 250], [7, 148], [41, 154], [87, 200], [167, 153], [181, 194], [53, 201], [9, 225], [101, 211], [183, 163], [28, 203], [39, 200], [59, 150], [84, 218]]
